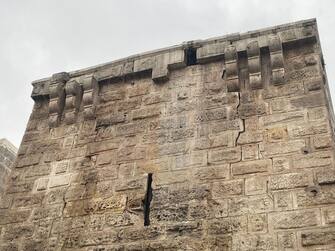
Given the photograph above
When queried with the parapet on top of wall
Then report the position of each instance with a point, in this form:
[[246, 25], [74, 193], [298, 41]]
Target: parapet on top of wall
[[77, 90]]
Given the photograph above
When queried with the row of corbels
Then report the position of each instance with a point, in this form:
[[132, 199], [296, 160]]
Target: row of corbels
[[254, 64], [69, 97]]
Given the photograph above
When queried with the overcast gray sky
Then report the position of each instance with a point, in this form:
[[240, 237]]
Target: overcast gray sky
[[42, 37]]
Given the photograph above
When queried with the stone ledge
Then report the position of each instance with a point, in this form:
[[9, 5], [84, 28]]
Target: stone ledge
[[161, 60]]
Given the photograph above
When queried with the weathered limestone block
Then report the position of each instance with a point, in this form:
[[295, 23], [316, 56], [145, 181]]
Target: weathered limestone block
[[225, 155], [295, 219], [309, 101], [211, 52], [315, 159], [14, 216], [166, 61], [254, 242], [282, 118], [287, 240], [273, 149], [8, 153], [250, 167], [228, 225], [290, 180], [74, 94], [227, 188], [325, 175], [250, 205], [321, 237], [89, 99], [283, 200], [254, 65], [256, 185], [219, 144], [277, 60], [57, 97], [316, 196], [211, 173]]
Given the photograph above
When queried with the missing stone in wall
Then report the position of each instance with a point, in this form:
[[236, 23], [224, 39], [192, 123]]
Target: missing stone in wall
[[147, 201], [191, 56]]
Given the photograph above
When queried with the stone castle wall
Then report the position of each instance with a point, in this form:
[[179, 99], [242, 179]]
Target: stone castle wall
[[7, 158], [220, 144]]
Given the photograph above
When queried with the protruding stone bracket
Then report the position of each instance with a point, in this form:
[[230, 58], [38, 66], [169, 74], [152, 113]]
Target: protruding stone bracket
[[231, 66], [74, 93], [254, 65], [40, 90], [90, 88], [57, 97], [277, 59]]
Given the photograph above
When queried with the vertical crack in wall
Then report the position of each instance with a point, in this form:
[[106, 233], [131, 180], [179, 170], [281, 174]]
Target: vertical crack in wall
[[243, 121], [147, 201]]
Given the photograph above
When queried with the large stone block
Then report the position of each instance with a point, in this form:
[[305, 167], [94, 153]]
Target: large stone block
[[279, 148], [228, 188], [290, 180], [250, 205], [295, 219], [320, 237], [225, 155], [250, 167]]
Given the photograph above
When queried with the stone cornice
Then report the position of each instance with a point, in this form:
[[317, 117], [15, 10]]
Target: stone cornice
[[159, 62]]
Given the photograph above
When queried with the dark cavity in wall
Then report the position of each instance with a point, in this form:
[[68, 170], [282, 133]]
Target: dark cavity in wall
[[191, 56], [265, 66], [243, 72], [147, 201]]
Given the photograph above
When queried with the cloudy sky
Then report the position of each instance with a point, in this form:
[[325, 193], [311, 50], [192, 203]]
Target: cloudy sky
[[41, 37]]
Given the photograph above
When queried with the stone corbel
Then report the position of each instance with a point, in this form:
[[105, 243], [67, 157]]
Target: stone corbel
[[57, 97], [232, 80], [277, 59], [90, 88], [254, 65], [74, 93]]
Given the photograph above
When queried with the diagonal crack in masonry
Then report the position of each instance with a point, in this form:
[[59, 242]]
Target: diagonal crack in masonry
[[243, 120]]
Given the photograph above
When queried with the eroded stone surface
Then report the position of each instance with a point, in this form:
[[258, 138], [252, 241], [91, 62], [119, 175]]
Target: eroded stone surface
[[236, 136]]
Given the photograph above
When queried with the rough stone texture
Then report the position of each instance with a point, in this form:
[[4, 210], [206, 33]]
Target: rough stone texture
[[236, 131], [7, 158]]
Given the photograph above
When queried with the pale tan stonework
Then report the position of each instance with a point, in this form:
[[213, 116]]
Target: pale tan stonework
[[237, 132]]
